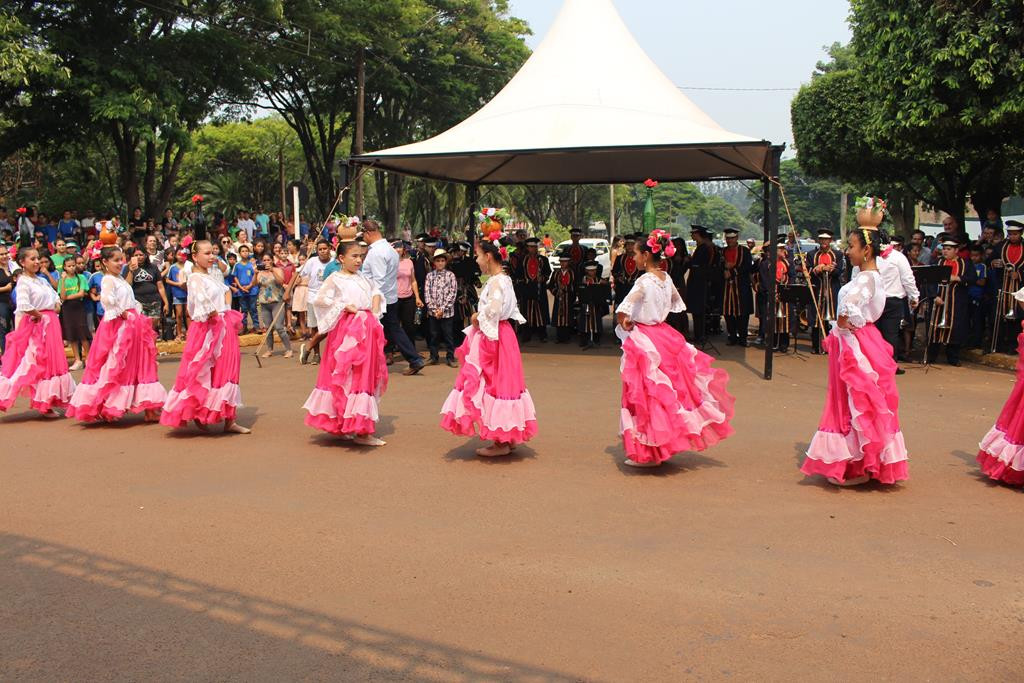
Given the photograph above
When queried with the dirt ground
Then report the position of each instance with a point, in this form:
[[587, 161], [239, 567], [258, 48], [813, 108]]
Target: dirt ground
[[129, 552]]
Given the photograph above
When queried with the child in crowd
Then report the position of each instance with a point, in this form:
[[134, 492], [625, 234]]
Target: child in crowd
[[206, 387], [72, 290], [176, 282], [977, 303], [34, 362], [229, 281], [248, 290], [121, 374], [353, 374], [593, 305], [439, 291]]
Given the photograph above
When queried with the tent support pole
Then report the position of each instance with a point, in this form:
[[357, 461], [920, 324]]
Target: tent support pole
[[346, 173], [771, 230], [472, 199]]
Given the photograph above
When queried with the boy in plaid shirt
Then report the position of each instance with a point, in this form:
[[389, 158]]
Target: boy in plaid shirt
[[440, 290]]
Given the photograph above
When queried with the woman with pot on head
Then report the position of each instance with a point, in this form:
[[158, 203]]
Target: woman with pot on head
[[490, 394], [859, 436]]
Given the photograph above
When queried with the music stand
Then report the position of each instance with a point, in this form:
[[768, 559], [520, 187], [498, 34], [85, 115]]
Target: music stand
[[923, 276], [798, 296]]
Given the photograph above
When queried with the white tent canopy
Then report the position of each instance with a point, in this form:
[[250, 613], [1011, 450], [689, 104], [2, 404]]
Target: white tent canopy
[[589, 106]]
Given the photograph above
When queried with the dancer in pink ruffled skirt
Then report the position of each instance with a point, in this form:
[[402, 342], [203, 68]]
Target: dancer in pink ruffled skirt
[[121, 371], [206, 388], [672, 399], [859, 435], [1001, 452], [353, 374], [34, 363], [490, 395]]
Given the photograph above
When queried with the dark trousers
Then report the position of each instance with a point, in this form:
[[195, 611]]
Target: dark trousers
[[736, 326], [699, 327], [396, 336], [952, 353], [526, 332], [564, 334], [407, 316], [440, 330], [889, 324], [976, 311]]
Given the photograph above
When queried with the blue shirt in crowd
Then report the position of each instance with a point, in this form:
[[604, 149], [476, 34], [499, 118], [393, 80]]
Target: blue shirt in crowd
[[175, 274], [244, 274], [66, 228], [976, 292], [94, 285]]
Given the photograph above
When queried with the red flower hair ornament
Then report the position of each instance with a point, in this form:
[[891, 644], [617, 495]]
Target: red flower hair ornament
[[661, 241]]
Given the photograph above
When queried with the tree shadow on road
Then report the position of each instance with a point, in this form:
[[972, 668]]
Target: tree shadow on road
[[681, 463], [71, 610]]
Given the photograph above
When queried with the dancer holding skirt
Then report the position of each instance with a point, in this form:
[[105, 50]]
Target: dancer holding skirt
[[353, 373], [121, 370], [1001, 452], [34, 362], [490, 394], [859, 435], [206, 388], [672, 399]]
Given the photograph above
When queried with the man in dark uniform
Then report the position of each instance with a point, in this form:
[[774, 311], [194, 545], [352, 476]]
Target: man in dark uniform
[[950, 320], [467, 275], [533, 272], [826, 265], [698, 284], [624, 271], [784, 312], [577, 252], [1006, 271], [738, 298], [593, 298], [563, 285], [423, 263]]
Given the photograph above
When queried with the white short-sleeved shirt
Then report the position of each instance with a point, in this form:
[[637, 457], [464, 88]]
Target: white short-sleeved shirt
[[34, 294]]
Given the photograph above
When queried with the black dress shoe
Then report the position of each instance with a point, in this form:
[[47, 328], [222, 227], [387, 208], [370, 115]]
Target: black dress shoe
[[900, 371], [955, 363]]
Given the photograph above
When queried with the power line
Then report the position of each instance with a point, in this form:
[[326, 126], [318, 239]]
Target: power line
[[694, 87]]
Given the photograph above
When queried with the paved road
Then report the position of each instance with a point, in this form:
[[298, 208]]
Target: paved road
[[131, 553]]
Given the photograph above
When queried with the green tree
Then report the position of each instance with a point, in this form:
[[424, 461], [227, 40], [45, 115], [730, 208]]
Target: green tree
[[142, 76], [813, 201]]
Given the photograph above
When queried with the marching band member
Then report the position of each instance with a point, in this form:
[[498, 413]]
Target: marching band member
[[563, 285], [1007, 275], [950, 323], [826, 273], [738, 298], [533, 273]]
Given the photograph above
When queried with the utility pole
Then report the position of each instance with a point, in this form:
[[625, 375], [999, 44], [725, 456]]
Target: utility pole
[[357, 142], [611, 225], [280, 175]]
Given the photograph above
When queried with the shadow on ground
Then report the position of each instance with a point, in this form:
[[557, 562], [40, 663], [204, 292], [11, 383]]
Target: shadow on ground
[[151, 625]]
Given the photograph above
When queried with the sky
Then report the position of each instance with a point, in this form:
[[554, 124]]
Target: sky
[[726, 44]]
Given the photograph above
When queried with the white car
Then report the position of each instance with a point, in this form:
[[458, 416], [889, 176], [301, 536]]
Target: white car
[[599, 245]]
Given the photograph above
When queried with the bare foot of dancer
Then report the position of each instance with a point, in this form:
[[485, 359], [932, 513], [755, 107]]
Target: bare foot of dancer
[[51, 414], [233, 427], [200, 426], [369, 440], [497, 450], [857, 481], [152, 416]]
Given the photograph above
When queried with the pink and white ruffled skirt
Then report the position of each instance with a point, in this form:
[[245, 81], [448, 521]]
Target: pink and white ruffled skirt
[[35, 365], [120, 372], [490, 395], [1001, 452], [672, 399], [206, 388], [352, 377], [859, 431]]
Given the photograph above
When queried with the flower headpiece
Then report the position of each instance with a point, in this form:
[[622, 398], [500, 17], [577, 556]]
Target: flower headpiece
[[874, 204], [491, 214], [661, 241], [196, 198]]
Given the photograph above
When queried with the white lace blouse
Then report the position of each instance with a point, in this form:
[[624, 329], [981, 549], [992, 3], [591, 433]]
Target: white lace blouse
[[338, 291], [34, 294], [497, 303], [116, 297], [651, 300], [862, 299], [205, 296]]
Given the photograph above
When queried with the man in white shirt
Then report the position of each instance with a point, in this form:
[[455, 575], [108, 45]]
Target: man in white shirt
[[246, 224], [900, 290], [313, 273], [381, 266]]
